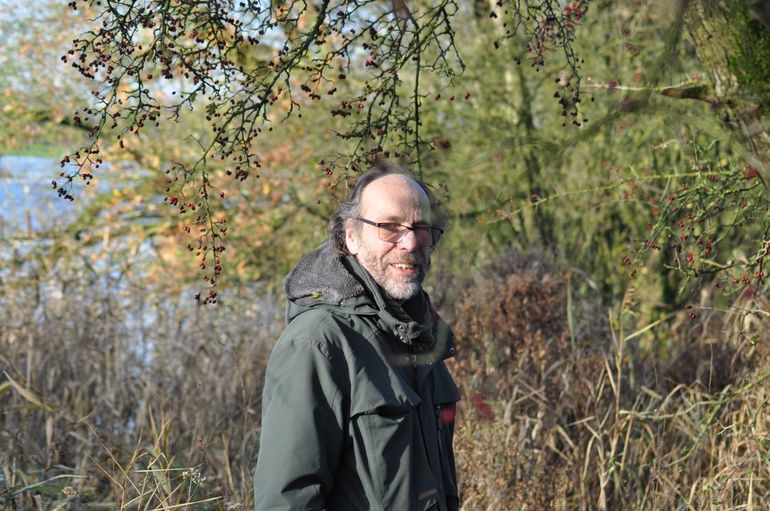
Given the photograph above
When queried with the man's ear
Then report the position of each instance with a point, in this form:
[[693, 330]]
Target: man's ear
[[351, 239]]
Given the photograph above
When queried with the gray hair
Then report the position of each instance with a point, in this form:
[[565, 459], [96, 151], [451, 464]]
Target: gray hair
[[350, 207]]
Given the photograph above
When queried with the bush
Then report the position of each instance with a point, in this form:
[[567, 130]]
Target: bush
[[573, 417]]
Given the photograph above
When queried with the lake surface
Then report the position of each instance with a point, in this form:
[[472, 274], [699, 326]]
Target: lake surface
[[28, 202]]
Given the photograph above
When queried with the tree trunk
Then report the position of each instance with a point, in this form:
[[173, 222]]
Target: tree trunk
[[732, 40]]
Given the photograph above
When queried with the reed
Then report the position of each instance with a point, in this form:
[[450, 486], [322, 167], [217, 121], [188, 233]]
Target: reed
[[116, 395]]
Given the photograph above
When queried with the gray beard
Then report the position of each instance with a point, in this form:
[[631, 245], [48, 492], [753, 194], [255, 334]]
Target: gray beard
[[400, 291], [394, 288]]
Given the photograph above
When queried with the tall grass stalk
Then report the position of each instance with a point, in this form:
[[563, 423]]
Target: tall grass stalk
[[605, 421], [117, 396]]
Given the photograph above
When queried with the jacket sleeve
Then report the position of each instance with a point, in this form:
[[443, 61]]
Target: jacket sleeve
[[302, 427], [452, 495], [447, 396]]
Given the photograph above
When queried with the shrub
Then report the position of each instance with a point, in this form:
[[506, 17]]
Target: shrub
[[573, 417]]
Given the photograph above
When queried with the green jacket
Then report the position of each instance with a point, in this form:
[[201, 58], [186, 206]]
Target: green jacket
[[358, 406]]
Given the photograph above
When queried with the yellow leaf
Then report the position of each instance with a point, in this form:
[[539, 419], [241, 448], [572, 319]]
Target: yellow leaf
[[28, 395]]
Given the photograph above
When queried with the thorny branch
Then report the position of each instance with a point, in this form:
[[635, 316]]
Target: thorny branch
[[248, 64]]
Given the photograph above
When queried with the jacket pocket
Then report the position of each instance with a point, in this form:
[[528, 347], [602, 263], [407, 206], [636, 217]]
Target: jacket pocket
[[382, 420], [383, 447]]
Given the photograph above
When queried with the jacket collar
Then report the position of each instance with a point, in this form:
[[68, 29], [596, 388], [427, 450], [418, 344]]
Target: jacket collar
[[326, 278]]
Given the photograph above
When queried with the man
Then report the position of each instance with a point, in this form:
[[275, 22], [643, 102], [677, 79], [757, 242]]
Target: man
[[358, 406]]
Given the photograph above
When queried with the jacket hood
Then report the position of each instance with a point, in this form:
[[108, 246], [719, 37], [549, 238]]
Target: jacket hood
[[327, 279], [322, 278]]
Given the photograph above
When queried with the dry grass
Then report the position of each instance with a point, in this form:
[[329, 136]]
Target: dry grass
[[117, 396], [122, 397], [580, 417]]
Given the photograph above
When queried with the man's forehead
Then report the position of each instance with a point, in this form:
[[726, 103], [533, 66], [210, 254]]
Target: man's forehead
[[397, 186], [393, 196]]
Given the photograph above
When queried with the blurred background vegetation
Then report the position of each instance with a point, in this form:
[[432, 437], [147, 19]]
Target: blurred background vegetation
[[606, 280]]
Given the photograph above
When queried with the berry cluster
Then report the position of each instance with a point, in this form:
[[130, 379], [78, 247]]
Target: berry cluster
[[548, 26], [714, 208]]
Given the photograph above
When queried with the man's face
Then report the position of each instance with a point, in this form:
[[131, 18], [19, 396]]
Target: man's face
[[399, 268]]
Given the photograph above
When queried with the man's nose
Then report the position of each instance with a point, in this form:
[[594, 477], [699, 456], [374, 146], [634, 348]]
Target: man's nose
[[409, 240]]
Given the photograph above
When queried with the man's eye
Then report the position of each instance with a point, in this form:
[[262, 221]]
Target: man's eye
[[392, 227]]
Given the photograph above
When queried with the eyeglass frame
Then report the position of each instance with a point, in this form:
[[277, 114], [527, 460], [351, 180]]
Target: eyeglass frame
[[379, 225]]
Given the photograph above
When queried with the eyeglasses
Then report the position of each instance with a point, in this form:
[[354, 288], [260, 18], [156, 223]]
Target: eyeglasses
[[393, 232]]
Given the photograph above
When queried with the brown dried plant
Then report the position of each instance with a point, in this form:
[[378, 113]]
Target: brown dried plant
[[134, 399], [565, 409], [138, 400]]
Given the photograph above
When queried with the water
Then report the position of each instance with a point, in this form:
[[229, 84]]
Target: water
[[28, 203]]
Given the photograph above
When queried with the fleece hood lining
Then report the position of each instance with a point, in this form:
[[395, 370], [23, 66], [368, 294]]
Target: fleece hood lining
[[321, 277], [324, 277]]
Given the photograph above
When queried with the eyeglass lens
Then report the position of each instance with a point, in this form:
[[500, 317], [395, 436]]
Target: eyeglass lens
[[393, 233]]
